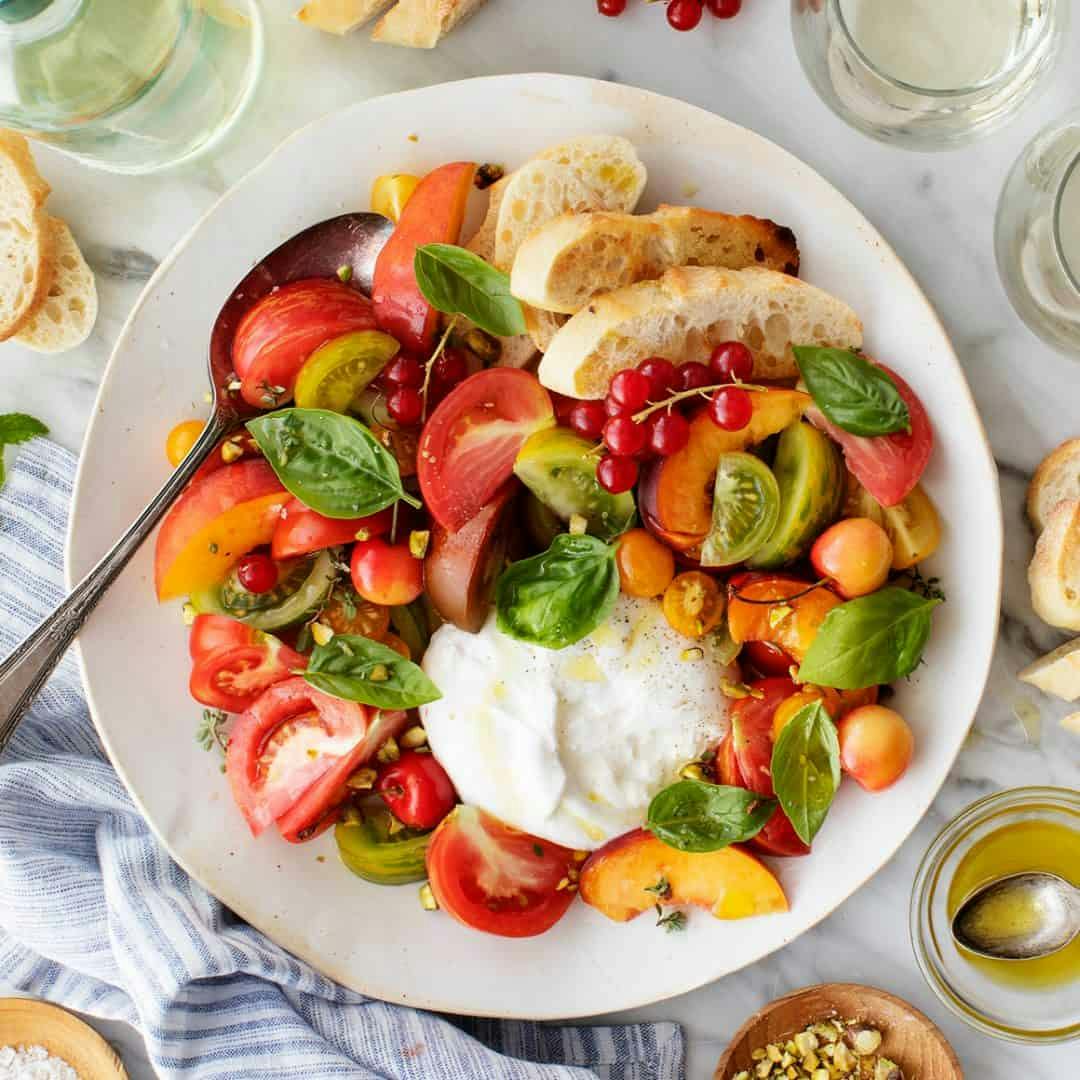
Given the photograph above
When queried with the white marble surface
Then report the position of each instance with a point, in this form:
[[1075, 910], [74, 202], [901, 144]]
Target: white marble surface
[[937, 210]]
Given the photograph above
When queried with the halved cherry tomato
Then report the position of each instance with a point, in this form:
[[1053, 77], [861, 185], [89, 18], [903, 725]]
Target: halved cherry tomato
[[285, 327], [417, 790], [888, 466], [347, 612], [469, 443], [233, 676], [303, 531], [432, 215], [494, 878], [212, 632], [385, 573]]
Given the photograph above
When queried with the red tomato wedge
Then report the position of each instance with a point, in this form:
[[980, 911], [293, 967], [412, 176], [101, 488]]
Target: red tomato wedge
[[212, 632], [469, 443], [231, 677], [494, 878], [779, 837], [285, 327], [751, 730], [302, 531], [433, 215], [221, 516], [888, 466]]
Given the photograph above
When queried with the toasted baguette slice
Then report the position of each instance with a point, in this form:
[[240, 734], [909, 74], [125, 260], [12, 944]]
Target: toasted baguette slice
[[1057, 673], [1055, 481], [340, 16], [543, 326], [575, 257], [1054, 572], [686, 312], [25, 240], [68, 312], [422, 24]]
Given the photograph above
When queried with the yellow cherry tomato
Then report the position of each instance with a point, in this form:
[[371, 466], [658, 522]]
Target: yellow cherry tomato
[[646, 566], [181, 439], [391, 192], [693, 604]]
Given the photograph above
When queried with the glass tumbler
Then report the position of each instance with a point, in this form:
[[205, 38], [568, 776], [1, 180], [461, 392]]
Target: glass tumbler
[[1037, 235], [926, 74], [128, 85]]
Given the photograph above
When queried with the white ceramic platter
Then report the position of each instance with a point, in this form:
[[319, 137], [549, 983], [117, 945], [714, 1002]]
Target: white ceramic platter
[[378, 940]]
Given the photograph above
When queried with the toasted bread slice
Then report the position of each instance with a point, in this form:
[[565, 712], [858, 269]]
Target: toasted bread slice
[[340, 16], [1057, 673], [686, 312], [575, 257], [68, 312], [1055, 481], [25, 239], [1054, 572], [422, 24], [543, 326]]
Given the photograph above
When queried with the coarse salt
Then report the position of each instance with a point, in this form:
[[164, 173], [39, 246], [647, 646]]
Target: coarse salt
[[33, 1063]]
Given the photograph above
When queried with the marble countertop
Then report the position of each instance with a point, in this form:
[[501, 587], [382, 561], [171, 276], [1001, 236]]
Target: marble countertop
[[936, 210]]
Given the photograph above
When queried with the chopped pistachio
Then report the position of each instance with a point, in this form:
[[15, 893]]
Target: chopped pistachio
[[321, 633], [758, 1054], [778, 613], [694, 653], [363, 534], [772, 1052], [737, 690], [379, 673], [388, 752], [844, 1058], [414, 737], [188, 613], [344, 273], [395, 826], [744, 1075], [805, 1042], [763, 1070], [693, 771], [820, 1074], [863, 1040], [231, 451], [887, 1070], [362, 780], [427, 898], [418, 543], [810, 1061]]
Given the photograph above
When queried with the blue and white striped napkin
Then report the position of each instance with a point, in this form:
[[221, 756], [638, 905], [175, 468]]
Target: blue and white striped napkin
[[95, 915]]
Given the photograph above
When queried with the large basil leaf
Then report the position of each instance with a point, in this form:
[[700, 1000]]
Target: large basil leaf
[[559, 596], [356, 668], [853, 393], [806, 769], [875, 639], [694, 816], [330, 462], [455, 281]]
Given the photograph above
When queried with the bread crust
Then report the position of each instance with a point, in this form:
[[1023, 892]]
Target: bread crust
[[1056, 480], [422, 24], [1054, 571]]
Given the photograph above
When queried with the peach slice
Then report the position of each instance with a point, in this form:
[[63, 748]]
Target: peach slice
[[617, 879]]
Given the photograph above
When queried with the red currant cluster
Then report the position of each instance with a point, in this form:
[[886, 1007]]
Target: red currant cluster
[[681, 14], [402, 380], [641, 416]]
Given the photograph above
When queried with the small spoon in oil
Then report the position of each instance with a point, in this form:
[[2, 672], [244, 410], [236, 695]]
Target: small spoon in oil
[[1019, 917]]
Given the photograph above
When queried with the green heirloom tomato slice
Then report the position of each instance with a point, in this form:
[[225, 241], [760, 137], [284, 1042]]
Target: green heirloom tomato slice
[[369, 849], [746, 503], [336, 374]]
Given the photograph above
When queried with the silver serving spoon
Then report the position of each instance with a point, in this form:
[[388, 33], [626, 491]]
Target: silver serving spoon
[[352, 240], [1019, 917]]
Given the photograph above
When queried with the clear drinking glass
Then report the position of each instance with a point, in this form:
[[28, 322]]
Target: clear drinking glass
[[128, 85], [926, 74], [1037, 235]]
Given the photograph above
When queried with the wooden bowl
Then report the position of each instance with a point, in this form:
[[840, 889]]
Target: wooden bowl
[[24, 1022], [908, 1037]]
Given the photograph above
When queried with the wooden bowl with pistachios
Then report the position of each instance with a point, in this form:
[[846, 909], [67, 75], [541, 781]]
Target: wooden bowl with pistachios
[[839, 1031]]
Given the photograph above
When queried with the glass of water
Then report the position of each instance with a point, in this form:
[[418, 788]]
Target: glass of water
[[1037, 235], [128, 85], [926, 74]]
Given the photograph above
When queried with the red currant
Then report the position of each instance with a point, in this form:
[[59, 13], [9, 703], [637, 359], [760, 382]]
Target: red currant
[[732, 360], [611, 7], [630, 389], [563, 406], [616, 408], [724, 9], [450, 368], [404, 370], [692, 376], [616, 474], [661, 376], [623, 437], [684, 14], [258, 573], [405, 405], [588, 418], [731, 408], [669, 432]]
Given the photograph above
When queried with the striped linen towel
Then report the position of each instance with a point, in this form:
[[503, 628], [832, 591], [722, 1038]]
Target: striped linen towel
[[95, 915]]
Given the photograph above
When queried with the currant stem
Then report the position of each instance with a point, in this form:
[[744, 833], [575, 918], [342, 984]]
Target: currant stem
[[701, 391], [439, 350]]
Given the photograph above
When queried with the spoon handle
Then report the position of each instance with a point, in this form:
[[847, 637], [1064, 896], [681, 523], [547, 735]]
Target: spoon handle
[[24, 672]]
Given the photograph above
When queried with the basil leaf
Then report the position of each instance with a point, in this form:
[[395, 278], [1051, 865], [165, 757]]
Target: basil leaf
[[16, 428], [559, 596], [694, 816], [456, 281], [853, 393], [875, 639], [356, 668], [330, 462], [806, 769]]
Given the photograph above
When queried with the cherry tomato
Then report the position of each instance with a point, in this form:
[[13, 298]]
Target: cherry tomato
[[588, 418], [646, 566], [668, 432], [494, 878], [303, 531], [258, 573], [405, 405], [450, 368], [615, 408], [693, 604], [346, 612], [856, 554], [417, 790], [876, 746], [661, 376], [630, 388], [385, 573], [692, 376], [231, 677], [181, 439], [731, 408], [616, 474], [724, 9], [683, 14], [623, 437], [732, 360]]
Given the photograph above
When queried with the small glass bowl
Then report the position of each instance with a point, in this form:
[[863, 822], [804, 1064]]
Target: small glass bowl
[[1020, 1013]]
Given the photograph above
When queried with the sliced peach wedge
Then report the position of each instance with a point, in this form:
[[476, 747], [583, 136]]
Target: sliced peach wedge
[[628, 874]]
